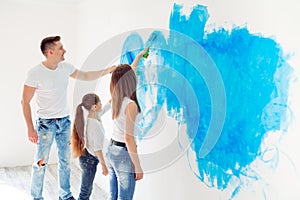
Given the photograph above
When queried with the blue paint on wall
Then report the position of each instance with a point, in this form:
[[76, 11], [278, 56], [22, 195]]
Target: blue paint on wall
[[254, 78], [131, 48]]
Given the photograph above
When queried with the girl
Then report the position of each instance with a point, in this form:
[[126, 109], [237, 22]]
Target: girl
[[123, 161], [87, 141]]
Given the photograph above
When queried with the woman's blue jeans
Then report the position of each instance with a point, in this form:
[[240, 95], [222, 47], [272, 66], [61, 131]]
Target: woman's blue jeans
[[88, 164], [121, 173], [49, 130]]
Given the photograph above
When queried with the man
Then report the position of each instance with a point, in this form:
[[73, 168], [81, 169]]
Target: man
[[49, 81]]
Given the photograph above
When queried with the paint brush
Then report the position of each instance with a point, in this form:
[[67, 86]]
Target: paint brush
[[151, 39]]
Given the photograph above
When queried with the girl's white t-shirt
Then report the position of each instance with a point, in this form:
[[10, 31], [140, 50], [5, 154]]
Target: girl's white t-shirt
[[94, 132], [119, 122], [94, 136]]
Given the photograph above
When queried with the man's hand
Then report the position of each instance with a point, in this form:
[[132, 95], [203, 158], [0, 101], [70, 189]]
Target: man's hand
[[113, 68], [32, 136]]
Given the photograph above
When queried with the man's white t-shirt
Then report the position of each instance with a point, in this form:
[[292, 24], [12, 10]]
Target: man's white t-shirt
[[51, 89]]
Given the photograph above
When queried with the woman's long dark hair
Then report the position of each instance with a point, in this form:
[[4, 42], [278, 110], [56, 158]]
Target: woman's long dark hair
[[123, 84], [77, 140]]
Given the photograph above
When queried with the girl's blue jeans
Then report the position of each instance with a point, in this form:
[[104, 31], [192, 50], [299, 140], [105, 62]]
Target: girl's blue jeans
[[88, 164], [121, 173]]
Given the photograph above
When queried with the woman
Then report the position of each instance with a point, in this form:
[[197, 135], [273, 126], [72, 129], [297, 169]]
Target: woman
[[87, 142], [123, 161]]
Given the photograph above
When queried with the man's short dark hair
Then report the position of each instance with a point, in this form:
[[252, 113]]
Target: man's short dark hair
[[48, 43]]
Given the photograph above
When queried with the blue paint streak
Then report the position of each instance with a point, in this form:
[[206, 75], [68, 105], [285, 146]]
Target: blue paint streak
[[256, 79], [131, 47], [151, 96]]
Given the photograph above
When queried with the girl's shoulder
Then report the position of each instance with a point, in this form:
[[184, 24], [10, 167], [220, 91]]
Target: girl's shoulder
[[127, 100]]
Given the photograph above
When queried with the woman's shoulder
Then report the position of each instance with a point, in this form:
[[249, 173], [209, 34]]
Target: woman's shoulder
[[127, 100], [128, 103]]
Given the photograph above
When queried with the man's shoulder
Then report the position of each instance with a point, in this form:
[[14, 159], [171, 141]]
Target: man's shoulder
[[36, 68], [65, 64]]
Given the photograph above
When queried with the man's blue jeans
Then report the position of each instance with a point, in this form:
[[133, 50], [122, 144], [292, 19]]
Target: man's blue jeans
[[121, 173], [88, 164], [49, 130]]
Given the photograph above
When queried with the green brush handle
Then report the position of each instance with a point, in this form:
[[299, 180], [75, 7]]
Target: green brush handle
[[147, 53]]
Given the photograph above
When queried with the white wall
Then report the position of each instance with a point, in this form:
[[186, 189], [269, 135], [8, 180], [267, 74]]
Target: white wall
[[23, 25], [100, 21], [84, 25]]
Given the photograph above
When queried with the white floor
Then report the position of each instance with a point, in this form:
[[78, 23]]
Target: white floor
[[15, 183]]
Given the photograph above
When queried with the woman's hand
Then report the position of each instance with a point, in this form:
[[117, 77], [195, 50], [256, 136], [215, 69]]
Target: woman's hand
[[104, 169], [136, 61], [143, 52], [139, 174]]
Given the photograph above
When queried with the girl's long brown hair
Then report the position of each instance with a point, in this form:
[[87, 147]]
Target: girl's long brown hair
[[123, 84], [77, 140]]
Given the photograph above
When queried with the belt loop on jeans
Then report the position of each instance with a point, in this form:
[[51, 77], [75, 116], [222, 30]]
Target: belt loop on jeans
[[120, 144]]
